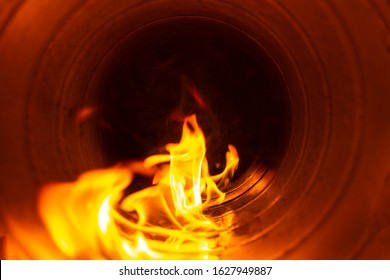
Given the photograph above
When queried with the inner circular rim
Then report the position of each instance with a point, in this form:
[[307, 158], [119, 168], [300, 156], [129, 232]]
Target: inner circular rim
[[145, 86]]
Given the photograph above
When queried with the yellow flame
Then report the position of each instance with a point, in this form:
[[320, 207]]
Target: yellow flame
[[93, 219]]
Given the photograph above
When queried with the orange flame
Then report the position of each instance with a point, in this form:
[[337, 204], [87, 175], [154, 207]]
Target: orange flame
[[93, 219]]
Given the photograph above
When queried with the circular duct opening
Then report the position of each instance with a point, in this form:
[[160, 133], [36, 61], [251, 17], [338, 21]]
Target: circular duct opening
[[103, 82], [155, 76]]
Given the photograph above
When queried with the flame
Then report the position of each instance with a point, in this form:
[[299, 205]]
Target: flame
[[92, 218]]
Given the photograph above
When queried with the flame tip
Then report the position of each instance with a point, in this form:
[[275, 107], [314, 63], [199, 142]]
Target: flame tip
[[92, 216]]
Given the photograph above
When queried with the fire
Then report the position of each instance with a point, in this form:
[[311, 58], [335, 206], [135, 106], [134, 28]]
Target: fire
[[92, 218]]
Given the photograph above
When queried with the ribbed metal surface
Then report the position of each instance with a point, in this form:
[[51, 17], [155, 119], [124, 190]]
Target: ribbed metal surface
[[326, 198]]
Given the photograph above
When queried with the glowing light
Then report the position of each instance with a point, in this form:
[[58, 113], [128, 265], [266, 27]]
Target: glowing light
[[92, 218]]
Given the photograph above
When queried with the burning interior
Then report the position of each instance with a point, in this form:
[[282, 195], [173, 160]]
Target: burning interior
[[197, 130]]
